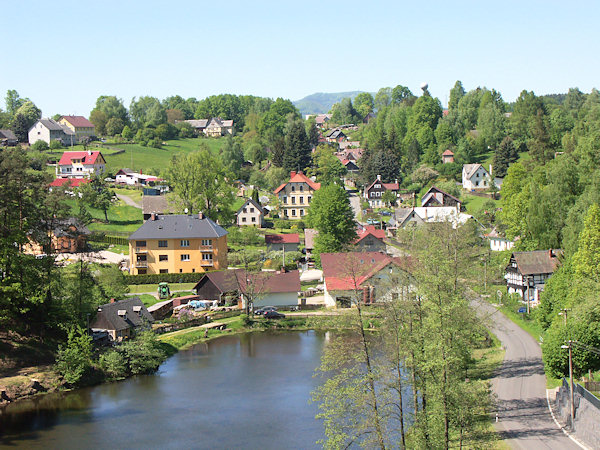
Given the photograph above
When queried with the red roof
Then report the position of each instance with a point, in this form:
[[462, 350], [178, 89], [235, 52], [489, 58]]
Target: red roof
[[348, 271], [78, 121], [370, 230], [299, 178], [448, 153], [86, 158], [73, 182], [292, 238]]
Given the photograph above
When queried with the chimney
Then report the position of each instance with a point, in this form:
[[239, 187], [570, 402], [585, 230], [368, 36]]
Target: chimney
[[201, 215], [378, 177], [89, 153], [153, 216], [490, 171], [112, 300], [396, 181], [292, 174]]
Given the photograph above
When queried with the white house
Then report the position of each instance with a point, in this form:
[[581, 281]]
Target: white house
[[80, 164], [279, 288], [527, 272], [251, 213], [499, 243], [475, 177], [131, 178], [49, 130]]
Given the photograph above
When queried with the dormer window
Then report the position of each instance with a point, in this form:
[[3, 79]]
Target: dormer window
[[377, 186]]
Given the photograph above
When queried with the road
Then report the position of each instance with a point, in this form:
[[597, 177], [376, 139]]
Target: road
[[129, 201], [524, 419], [355, 203]]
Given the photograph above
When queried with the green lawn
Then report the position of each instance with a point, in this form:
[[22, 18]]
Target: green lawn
[[473, 203], [137, 288], [134, 194], [121, 218]]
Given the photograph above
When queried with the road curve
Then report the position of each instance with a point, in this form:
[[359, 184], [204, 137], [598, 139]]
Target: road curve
[[524, 421]]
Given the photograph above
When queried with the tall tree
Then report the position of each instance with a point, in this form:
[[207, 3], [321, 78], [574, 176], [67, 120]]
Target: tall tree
[[297, 147], [364, 104], [456, 93], [13, 101], [586, 261]]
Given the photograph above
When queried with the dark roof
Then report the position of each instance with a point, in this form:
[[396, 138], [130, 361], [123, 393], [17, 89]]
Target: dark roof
[[260, 208], [108, 315], [179, 227], [291, 238], [158, 204], [52, 125], [262, 282], [64, 228], [432, 190], [7, 134], [224, 280], [538, 261]]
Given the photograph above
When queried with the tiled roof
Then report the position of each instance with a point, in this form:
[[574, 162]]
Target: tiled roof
[[252, 202], [370, 230], [179, 227], [538, 261], [7, 134], [86, 157], [78, 121], [158, 204], [470, 169], [272, 282], [108, 315], [299, 177], [73, 182], [448, 153], [292, 238]]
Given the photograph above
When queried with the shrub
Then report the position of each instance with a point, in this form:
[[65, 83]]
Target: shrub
[[144, 353], [54, 144], [113, 364], [155, 278], [40, 146], [75, 359]]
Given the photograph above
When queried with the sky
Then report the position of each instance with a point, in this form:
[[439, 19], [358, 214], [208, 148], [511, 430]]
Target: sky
[[64, 55]]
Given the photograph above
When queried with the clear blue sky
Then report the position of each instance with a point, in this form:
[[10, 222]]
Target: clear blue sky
[[65, 54]]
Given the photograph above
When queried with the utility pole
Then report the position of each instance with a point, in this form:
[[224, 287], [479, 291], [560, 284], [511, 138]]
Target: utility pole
[[528, 278], [570, 347], [564, 313]]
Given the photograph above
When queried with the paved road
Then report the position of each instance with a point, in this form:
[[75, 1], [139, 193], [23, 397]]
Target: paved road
[[524, 419], [129, 201], [355, 203]]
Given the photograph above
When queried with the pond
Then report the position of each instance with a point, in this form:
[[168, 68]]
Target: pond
[[246, 391]]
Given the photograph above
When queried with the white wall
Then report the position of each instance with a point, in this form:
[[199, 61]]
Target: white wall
[[277, 299]]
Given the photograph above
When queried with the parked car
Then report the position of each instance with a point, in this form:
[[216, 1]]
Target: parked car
[[264, 309], [273, 315]]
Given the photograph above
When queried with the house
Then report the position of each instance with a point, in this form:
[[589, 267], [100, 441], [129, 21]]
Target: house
[[498, 243], [8, 138], [436, 197], [375, 190], [221, 286], [527, 272], [80, 164], [475, 177], [120, 319], [335, 135], [447, 157], [218, 127], [419, 215], [296, 194], [48, 130], [282, 242], [67, 183], [405, 217], [370, 239], [132, 178], [251, 213], [198, 125], [157, 204], [349, 164], [177, 244], [278, 289], [321, 120], [349, 144], [309, 241], [66, 236], [82, 127], [367, 277]]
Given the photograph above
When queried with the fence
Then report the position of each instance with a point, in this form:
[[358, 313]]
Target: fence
[[586, 425], [115, 240]]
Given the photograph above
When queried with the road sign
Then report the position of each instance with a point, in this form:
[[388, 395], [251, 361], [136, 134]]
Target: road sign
[[523, 310]]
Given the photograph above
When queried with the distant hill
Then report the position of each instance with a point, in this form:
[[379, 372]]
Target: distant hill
[[321, 102]]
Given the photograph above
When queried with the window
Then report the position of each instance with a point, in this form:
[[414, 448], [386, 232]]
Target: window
[[302, 200], [293, 188], [301, 212], [207, 242], [253, 219], [301, 188], [244, 210], [185, 243], [285, 200], [308, 199], [293, 200], [163, 244], [243, 219], [185, 257], [377, 186], [140, 243], [163, 271], [293, 212], [207, 257], [141, 271], [193, 270], [163, 257], [180, 270]]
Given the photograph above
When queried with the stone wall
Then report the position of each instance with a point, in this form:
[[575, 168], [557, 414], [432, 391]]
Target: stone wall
[[587, 413]]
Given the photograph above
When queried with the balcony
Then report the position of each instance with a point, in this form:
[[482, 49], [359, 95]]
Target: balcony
[[206, 263], [141, 264], [206, 248], [141, 249]]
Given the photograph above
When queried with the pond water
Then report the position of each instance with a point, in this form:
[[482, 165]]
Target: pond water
[[245, 391]]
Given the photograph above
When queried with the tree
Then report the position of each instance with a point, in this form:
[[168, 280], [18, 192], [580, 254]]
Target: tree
[[344, 112], [99, 119], [107, 107], [201, 182], [30, 112], [401, 94], [329, 169], [383, 98], [331, 215], [127, 133], [586, 261], [539, 145], [505, 154], [456, 93], [311, 131], [97, 194], [297, 147], [75, 358], [114, 126], [364, 104], [232, 155], [389, 198], [13, 101]]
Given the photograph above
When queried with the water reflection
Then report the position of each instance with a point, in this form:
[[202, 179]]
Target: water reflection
[[245, 391]]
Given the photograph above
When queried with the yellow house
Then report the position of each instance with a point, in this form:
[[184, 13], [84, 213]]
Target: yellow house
[[177, 244], [80, 125], [296, 194]]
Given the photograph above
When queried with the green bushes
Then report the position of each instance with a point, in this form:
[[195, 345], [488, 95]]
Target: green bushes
[[155, 278], [39, 146], [75, 359]]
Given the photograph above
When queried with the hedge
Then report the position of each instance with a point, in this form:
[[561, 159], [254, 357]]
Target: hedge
[[101, 237], [155, 278]]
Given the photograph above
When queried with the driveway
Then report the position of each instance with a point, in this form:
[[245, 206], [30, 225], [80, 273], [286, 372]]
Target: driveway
[[355, 203], [103, 256], [129, 201], [520, 385]]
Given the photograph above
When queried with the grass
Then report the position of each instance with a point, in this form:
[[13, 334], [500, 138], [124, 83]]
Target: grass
[[121, 217], [133, 193], [139, 288], [148, 300], [115, 248], [474, 203], [183, 339]]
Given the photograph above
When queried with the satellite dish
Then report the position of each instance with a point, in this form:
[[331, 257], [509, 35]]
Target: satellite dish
[[424, 86]]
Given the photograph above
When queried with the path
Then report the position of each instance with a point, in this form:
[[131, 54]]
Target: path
[[520, 384], [129, 201], [355, 203]]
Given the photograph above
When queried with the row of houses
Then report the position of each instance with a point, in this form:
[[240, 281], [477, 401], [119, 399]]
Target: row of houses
[[68, 130]]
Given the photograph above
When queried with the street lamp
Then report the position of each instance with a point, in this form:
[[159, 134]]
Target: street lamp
[[570, 347]]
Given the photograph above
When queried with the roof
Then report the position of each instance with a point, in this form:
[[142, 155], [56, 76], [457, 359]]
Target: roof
[[432, 190], [158, 204], [88, 157], [401, 215], [108, 315], [271, 282], [348, 271], [63, 228], [388, 186], [448, 153], [299, 177], [178, 227], [292, 238], [7, 134], [52, 124], [197, 123], [309, 237], [73, 182], [252, 202], [78, 121], [218, 122], [370, 230], [470, 169], [125, 171], [538, 261], [224, 280]]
